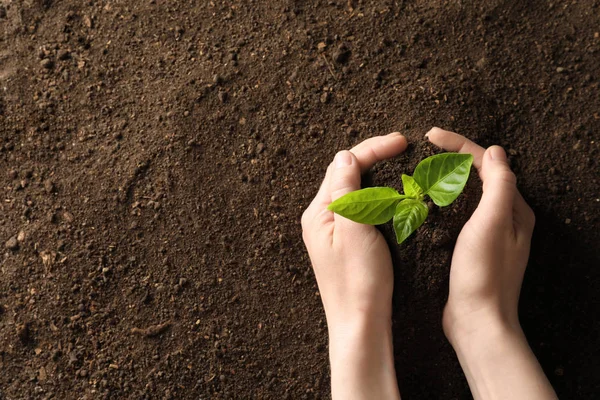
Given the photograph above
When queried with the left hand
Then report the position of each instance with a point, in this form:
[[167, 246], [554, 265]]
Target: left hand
[[352, 262], [353, 267]]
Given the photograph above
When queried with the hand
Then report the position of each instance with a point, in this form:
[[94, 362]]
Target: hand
[[493, 247], [481, 316], [353, 267]]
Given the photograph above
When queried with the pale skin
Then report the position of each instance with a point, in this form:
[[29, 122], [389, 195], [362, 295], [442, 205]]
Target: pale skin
[[353, 268]]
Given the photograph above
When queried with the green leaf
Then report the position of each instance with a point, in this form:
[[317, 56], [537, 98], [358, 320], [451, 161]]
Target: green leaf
[[411, 188], [443, 177], [410, 214], [371, 206]]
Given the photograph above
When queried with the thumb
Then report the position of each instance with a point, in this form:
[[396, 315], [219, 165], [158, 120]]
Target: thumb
[[499, 188], [345, 176]]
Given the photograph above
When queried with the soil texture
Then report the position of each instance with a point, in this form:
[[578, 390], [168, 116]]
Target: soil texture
[[156, 157]]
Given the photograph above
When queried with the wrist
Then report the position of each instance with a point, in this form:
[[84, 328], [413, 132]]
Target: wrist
[[357, 332], [499, 364], [362, 360], [481, 325], [497, 335]]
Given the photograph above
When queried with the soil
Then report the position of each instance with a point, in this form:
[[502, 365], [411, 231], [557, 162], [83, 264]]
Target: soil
[[156, 157]]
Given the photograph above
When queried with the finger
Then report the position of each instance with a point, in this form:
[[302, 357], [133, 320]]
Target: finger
[[523, 217], [345, 178], [451, 141], [499, 188], [367, 153], [378, 148]]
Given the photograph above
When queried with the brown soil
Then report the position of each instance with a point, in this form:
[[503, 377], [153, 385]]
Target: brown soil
[[156, 157]]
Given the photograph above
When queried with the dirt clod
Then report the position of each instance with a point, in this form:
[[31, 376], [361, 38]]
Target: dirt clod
[[63, 54], [12, 243], [152, 331], [24, 332], [49, 186], [223, 96], [47, 63]]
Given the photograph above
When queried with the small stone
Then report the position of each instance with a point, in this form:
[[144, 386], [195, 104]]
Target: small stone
[[186, 113], [47, 63], [12, 243], [577, 145], [325, 97], [42, 374], [68, 217], [12, 174], [321, 46], [560, 70], [21, 237], [342, 54], [87, 21], [260, 148], [568, 221]]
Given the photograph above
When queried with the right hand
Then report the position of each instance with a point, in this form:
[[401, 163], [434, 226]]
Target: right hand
[[492, 249]]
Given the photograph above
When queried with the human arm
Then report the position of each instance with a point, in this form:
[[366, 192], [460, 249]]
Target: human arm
[[353, 268], [481, 316]]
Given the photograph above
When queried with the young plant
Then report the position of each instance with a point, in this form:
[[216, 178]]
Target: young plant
[[441, 177]]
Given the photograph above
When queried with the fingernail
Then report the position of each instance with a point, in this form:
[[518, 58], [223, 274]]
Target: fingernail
[[427, 134], [343, 159], [392, 137], [497, 153]]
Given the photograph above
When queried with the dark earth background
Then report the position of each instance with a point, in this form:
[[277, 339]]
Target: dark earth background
[[156, 157]]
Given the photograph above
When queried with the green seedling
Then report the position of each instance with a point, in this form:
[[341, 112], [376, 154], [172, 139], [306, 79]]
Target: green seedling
[[441, 177]]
